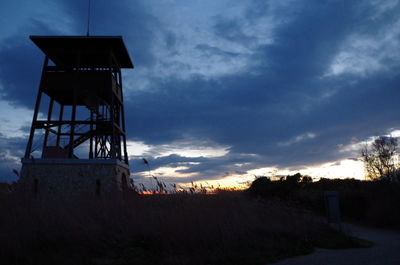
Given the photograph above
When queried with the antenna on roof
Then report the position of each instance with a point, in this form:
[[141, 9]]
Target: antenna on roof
[[88, 19]]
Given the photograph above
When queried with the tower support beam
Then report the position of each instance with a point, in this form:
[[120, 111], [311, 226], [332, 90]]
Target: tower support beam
[[28, 150]]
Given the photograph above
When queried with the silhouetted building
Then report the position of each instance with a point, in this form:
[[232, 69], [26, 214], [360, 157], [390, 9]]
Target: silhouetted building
[[80, 135]]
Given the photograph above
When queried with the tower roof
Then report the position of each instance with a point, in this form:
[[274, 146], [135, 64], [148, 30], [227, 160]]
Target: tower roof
[[84, 51]]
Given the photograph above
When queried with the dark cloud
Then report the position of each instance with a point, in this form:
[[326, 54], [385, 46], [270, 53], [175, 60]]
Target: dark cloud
[[10, 153], [126, 18], [21, 65], [206, 168], [231, 29], [252, 114], [173, 161], [208, 50]]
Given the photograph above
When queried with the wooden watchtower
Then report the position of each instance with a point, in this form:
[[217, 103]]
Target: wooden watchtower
[[81, 136]]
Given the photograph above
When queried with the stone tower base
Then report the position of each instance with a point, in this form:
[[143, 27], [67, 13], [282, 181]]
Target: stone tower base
[[74, 177]]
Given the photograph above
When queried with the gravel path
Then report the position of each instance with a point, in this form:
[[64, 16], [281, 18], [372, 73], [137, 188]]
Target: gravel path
[[386, 250]]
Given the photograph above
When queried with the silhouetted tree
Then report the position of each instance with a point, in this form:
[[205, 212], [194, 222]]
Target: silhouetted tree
[[381, 158], [293, 179], [306, 179]]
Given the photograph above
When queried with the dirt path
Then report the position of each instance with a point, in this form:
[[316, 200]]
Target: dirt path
[[386, 250]]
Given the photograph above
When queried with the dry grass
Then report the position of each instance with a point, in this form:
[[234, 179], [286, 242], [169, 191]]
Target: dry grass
[[224, 228]]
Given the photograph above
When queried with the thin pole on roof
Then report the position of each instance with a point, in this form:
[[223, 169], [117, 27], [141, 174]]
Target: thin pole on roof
[[88, 19]]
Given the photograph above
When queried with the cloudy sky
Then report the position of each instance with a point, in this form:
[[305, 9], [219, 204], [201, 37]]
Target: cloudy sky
[[224, 90]]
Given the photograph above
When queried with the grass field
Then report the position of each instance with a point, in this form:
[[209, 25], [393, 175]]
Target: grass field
[[229, 227]]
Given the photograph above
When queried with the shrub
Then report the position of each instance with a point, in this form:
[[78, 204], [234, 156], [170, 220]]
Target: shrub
[[368, 202]]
